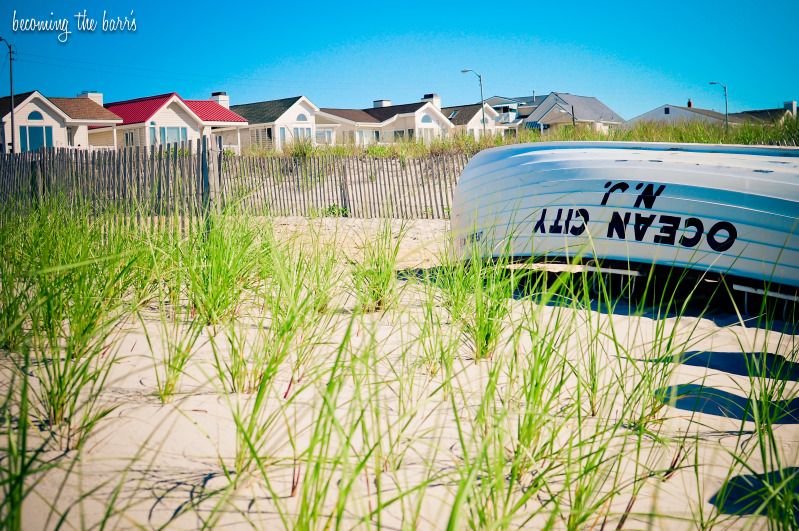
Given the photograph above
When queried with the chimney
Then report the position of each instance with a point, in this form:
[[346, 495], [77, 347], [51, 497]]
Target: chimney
[[96, 97], [690, 103], [381, 103], [433, 98], [791, 106], [221, 98]]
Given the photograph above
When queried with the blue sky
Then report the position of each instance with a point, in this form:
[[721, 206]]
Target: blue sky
[[632, 56]]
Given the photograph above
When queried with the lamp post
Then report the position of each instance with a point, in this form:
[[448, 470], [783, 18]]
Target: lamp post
[[11, 89], [482, 101], [726, 114]]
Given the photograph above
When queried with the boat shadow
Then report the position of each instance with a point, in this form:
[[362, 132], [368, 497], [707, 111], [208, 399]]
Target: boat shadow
[[670, 296], [711, 401], [754, 364], [750, 494]]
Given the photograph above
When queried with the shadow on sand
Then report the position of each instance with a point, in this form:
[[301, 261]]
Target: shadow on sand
[[712, 401], [755, 364], [667, 295], [764, 494]]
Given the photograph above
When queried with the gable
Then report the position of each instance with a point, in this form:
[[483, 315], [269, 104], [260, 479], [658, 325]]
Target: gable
[[263, 112]]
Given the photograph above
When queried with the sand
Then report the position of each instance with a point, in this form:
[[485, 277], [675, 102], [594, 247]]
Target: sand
[[163, 464]]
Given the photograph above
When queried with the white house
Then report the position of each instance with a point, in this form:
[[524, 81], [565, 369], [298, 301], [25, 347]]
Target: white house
[[468, 119], [387, 123], [51, 122], [513, 111], [561, 108], [278, 123], [669, 113], [168, 118]]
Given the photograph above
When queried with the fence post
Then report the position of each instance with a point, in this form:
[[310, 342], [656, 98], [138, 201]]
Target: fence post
[[345, 196], [35, 185], [209, 179]]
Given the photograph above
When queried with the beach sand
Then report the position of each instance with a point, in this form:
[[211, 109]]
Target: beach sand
[[160, 464]]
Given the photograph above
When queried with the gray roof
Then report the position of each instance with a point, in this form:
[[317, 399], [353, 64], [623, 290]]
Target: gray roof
[[263, 112], [767, 116], [464, 115], [521, 100], [586, 108]]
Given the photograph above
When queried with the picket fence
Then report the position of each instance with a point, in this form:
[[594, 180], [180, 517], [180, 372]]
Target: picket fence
[[184, 182]]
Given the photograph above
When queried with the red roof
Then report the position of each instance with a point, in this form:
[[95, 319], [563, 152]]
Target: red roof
[[139, 110], [142, 109], [211, 111]]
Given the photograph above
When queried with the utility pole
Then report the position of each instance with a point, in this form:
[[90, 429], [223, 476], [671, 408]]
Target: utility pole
[[11, 89], [482, 100], [726, 112]]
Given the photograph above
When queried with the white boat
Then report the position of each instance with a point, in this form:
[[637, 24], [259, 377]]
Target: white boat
[[730, 210]]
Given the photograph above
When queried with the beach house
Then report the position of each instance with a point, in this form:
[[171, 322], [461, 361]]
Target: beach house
[[40, 121], [385, 122], [167, 119]]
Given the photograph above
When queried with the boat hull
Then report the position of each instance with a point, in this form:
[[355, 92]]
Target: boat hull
[[731, 210]]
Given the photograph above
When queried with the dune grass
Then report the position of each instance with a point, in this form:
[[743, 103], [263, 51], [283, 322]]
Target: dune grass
[[469, 395], [784, 134]]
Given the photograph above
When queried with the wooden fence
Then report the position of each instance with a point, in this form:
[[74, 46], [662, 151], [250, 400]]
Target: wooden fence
[[182, 182]]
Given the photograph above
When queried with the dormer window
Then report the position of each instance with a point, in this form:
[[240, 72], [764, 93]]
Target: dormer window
[[453, 114], [666, 110], [302, 118], [35, 115]]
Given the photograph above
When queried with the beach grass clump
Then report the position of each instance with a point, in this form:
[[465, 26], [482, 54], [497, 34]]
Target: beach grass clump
[[220, 263], [79, 279], [374, 277]]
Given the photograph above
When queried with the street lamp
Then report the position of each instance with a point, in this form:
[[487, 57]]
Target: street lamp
[[726, 114], [11, 88], [482, 101]]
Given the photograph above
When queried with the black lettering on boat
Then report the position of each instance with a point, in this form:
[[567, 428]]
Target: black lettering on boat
[[617, 225], [641, 225], [721, 245], [582, 214], [539, 225], [648, 196], [692, 241], [622, 186], [557, 227], [668, 229]]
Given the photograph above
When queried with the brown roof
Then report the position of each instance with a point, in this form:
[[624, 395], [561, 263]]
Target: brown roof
[[5, 103], [353, 115], [84, 109], [375, 114], [707, 112], [384, 113]]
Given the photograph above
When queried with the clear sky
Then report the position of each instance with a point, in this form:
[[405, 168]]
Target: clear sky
[[632, 56]]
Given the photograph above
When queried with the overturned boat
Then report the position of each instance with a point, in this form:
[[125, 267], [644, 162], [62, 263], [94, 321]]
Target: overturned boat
[[720, 210]]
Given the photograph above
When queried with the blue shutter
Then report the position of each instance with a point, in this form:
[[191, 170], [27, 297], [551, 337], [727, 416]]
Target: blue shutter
[[48, 136], [23, 138], [163, 135]]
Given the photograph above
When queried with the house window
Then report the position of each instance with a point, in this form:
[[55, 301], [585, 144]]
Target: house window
[[377, 136], [302, 133], [173, 135], [282, 135], [130, 138], [666, 110], [34, 138], [426, 119], [35, 115], [410, 133], [302, 118], [152, 133], [324, 136], [399, 135]]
